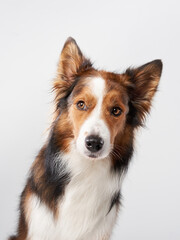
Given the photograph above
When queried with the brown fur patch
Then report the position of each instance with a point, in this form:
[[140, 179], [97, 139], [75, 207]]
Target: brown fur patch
[[79, 116], [64, 131], [115, 97]]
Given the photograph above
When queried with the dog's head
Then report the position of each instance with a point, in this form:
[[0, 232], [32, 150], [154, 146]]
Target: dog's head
[[99, 110]]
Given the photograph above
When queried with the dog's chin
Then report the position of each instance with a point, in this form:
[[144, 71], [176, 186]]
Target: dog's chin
[[94, 156]]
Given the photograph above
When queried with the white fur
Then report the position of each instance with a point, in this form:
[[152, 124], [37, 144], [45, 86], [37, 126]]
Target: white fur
[[83, 211], [41, 224], [94, 124]]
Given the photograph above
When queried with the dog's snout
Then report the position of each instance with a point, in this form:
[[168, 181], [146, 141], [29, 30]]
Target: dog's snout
[[94, 143]]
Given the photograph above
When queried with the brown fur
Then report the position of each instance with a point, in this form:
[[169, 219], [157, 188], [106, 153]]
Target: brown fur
[[78, 117]]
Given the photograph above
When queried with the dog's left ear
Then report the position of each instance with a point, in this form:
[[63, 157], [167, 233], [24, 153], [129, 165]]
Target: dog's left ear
[[142, 83], [72, 62]]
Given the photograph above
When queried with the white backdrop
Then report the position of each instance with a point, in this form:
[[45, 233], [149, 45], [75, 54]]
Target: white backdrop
[[115, 35]]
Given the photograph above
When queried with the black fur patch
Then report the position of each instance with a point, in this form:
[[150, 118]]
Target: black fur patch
[[121, 164], [115, 200], [54, 177], [55, 170], [132, 118]]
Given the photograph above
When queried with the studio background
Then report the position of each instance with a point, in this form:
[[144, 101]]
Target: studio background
[[115, 35]]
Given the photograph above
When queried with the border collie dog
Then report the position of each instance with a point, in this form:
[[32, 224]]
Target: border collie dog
[[73, 188]]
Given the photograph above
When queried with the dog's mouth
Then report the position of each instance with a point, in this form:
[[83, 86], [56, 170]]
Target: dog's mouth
[[92, 156], [95, 156]]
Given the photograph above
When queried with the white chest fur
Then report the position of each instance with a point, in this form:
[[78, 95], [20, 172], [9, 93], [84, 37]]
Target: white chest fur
[[83, 211]]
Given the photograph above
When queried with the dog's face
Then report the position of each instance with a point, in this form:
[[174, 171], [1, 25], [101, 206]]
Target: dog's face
[[98, 112], [102, 108]]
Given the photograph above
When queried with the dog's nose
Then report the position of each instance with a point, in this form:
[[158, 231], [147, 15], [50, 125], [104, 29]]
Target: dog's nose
[[94, 143]]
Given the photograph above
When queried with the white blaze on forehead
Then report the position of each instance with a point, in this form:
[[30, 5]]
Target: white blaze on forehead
[[97, 86]]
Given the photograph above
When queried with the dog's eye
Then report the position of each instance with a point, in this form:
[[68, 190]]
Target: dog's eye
[[81, 105], [116, 111]]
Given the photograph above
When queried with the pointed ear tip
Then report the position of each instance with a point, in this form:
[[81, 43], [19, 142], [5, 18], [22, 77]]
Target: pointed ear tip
[[68, 43], [70, 40], [158, 63]]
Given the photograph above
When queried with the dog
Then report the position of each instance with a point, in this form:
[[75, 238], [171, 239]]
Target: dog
[[73, 190]]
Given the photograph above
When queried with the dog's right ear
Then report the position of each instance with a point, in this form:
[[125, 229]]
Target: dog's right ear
[[71, 64], [72, 60]]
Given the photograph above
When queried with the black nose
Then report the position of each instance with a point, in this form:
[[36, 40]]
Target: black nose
[[94, 143]]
